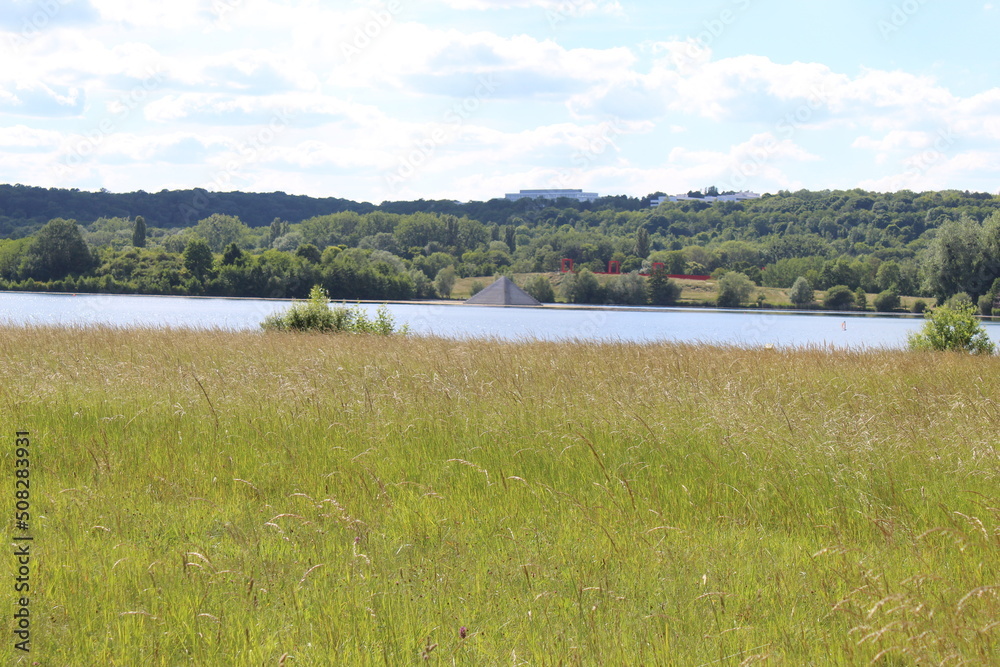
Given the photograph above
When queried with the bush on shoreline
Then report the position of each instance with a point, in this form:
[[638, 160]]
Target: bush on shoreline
[[952, 328], [316, 315]]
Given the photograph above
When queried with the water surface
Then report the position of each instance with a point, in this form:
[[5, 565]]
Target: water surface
[[744, 328]]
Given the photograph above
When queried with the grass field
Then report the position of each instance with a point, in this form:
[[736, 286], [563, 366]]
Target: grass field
[[215, 498]]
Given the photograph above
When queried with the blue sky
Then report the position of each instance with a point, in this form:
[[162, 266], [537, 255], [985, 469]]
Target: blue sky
[[469, 99]]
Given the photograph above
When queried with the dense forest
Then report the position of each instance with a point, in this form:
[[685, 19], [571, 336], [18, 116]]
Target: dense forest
[[932, 244]]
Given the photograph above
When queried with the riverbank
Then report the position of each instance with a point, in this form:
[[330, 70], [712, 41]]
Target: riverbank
[[681, 306], [694, 294]]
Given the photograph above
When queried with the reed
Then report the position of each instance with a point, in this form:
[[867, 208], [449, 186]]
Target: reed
[[212, 498]]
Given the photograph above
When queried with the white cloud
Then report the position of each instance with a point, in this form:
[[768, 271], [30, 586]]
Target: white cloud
[[358, 86], [186, 14], [24, 137], [301, 109], [925, 172], [896, 140], [564, 7], [763, 158], [41, 100]]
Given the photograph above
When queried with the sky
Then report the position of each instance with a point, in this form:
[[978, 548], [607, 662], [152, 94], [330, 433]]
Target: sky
[[471, 99]]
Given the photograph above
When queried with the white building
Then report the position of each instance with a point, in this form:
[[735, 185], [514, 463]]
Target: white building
[[579, 195], [736, 196]]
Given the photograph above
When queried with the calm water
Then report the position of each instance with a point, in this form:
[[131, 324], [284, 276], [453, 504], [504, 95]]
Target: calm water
[[751, 328]]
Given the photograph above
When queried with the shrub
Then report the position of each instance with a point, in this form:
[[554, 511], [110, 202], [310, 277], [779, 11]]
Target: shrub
[[308, 252], [838, 297], [887, 301], [919, 306], [734, 290], [316, 315], [540, 288], [802, 293], [628, 289], [582, 287], [444, 281], [952, 328], [960, 299], [861, 299], [986, 305], [661, 290]]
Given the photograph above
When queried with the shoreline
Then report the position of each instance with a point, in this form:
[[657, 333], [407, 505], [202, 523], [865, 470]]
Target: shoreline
[[553, 306]]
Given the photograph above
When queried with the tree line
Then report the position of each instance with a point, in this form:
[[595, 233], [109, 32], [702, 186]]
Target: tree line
[[932, 244]]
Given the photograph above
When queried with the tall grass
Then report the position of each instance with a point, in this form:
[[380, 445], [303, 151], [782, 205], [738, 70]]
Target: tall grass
[[235, 498]]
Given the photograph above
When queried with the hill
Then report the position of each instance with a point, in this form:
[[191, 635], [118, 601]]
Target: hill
[[273, 244]]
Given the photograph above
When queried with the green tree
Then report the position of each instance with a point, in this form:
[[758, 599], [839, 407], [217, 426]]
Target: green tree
[[628, 289], [860, 299], [734, 290], [12, 253], [642, 243], [582, 287], [838, 297], [839, 272], [785, 271], [139, 232], [889, 276], [887, 301], [232, 255], [276, 230], [540, 288], [510, 238], [989, 300], [985, 305], [433, 263], [309, 252], [955, 262], [802, 293], [198, 258], [661, 290], [673, 261], [444, 281], [952, 328], [960, 299], [57, 251], [221, 230], [423, 288]]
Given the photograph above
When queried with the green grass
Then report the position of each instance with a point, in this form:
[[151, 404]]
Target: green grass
[[218, 498]]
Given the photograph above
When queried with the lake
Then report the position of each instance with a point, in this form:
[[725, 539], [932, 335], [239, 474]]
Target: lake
[[744, 328]]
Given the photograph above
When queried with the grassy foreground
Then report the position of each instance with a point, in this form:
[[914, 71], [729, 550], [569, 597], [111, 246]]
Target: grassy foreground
[[220, 498]]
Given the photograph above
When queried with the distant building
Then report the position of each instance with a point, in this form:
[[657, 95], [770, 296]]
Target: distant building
[[735, 196], [579, 195]]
